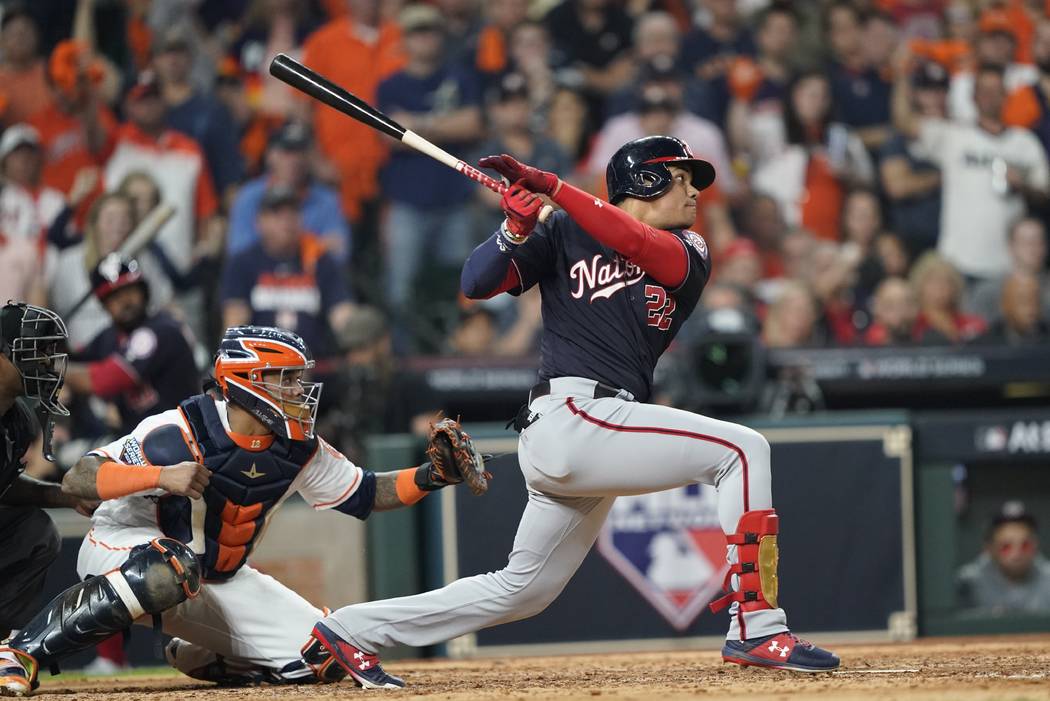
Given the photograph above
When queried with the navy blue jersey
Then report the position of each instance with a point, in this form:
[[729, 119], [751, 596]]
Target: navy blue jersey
[[604, 318], [159, 355]]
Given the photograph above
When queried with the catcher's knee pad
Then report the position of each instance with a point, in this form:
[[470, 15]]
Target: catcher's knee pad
[[756, 566], [156, 576]]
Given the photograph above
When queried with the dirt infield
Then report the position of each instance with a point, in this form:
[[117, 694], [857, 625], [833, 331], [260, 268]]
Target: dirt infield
[[961, 669]]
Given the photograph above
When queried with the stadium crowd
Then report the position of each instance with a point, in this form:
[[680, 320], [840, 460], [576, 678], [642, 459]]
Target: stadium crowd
[[882, 169]]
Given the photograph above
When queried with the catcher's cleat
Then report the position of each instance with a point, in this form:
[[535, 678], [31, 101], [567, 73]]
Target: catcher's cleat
[[780, 651], [362, 666], [15, 674]]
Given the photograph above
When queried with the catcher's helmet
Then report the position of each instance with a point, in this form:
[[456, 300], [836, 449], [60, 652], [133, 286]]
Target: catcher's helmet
[[639, 168], [288, 406], [34, 340], [115, 272]]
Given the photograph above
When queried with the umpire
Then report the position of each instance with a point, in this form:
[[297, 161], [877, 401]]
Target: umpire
[[32, 366]]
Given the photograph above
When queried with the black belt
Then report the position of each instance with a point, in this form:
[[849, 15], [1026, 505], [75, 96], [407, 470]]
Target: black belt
[[544, 388]]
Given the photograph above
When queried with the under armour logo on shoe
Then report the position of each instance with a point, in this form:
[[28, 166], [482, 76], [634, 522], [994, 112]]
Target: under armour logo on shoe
[[364, 665], [359, 655], [784, 651], [598, 203]]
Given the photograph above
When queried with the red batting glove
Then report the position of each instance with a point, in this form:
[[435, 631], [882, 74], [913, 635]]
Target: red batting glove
[[522, 208], [513, 170]]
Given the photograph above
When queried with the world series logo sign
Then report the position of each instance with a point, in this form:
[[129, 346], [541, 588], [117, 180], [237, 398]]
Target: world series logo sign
[[670, 546]]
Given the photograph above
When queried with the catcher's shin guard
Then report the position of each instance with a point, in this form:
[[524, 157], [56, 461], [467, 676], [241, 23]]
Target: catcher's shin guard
[[156, 576], [756, 566]]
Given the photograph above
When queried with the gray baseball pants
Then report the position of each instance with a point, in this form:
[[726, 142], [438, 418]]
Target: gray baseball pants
[[577, 457]]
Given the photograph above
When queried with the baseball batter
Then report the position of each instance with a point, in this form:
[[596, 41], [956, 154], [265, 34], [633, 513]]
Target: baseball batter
[[617, 281], [186, 497]]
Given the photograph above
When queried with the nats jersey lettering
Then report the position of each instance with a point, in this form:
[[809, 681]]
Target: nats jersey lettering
[[602, 277]]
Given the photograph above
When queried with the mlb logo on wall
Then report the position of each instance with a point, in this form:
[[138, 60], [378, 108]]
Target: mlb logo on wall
[[670, 547]]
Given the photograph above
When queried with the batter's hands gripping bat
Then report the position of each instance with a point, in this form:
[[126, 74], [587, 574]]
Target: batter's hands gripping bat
[[315, 85], [137, 240]]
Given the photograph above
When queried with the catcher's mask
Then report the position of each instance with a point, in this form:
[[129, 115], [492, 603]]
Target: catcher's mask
[[261, 368], [34, 340]]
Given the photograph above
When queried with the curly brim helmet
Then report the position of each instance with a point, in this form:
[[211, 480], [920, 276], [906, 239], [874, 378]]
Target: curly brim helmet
[[256, 368], [34, 340], [639, 168]]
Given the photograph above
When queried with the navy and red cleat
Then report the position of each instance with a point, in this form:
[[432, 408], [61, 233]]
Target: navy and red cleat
[[362, 666], [780, 651]]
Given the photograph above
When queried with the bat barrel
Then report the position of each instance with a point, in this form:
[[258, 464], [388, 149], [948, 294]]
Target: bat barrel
[[288, 70]]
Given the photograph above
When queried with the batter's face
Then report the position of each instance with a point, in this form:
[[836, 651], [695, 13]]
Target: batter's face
[[675, 209]]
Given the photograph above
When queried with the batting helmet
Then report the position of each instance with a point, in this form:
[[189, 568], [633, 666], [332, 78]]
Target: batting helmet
[[639, 168], [246, 363], [115, 272]]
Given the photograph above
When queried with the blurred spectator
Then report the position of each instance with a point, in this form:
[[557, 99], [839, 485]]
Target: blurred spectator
[[859, 70], [487, 54], [791, 321], [740, 265], [909, 177], [894, 311], [143, 362], [509, 114], [709, 51], [567, 122], [530, 57], [145, 143], [754, 123], [656, 43], [28, 208], [797, 248], [76, 126], [21, 271], [988, 172], [463, 24], [475, 334], [109, 221], [1027, 106], [1028, 253], [1010, 575], [593, 37], [832, 276], [1021, 320], [996, 47], [861, 228], [370, 393], [195, 113], [821, 161], [764, 224], [939, 289], [270, 27], [288, 166], [355, 51], [287, 279], [442, 104], [23, 72]]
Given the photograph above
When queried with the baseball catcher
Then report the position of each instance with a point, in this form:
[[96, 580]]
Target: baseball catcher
[[185, 497]]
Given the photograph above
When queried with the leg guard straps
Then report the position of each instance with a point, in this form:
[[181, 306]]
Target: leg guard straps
[[756, 565], [155, 577]]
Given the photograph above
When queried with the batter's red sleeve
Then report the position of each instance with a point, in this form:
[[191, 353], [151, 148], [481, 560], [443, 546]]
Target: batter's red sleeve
[[657, 252]]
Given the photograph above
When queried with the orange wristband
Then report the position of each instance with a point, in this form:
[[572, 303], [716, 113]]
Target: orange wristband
[[114, 480], [407, 490]]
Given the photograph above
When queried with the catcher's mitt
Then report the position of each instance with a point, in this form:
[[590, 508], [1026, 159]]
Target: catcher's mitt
[[454, 459]]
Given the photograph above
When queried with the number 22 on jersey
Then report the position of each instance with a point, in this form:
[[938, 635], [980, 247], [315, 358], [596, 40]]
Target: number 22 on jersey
[[660, 307]]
